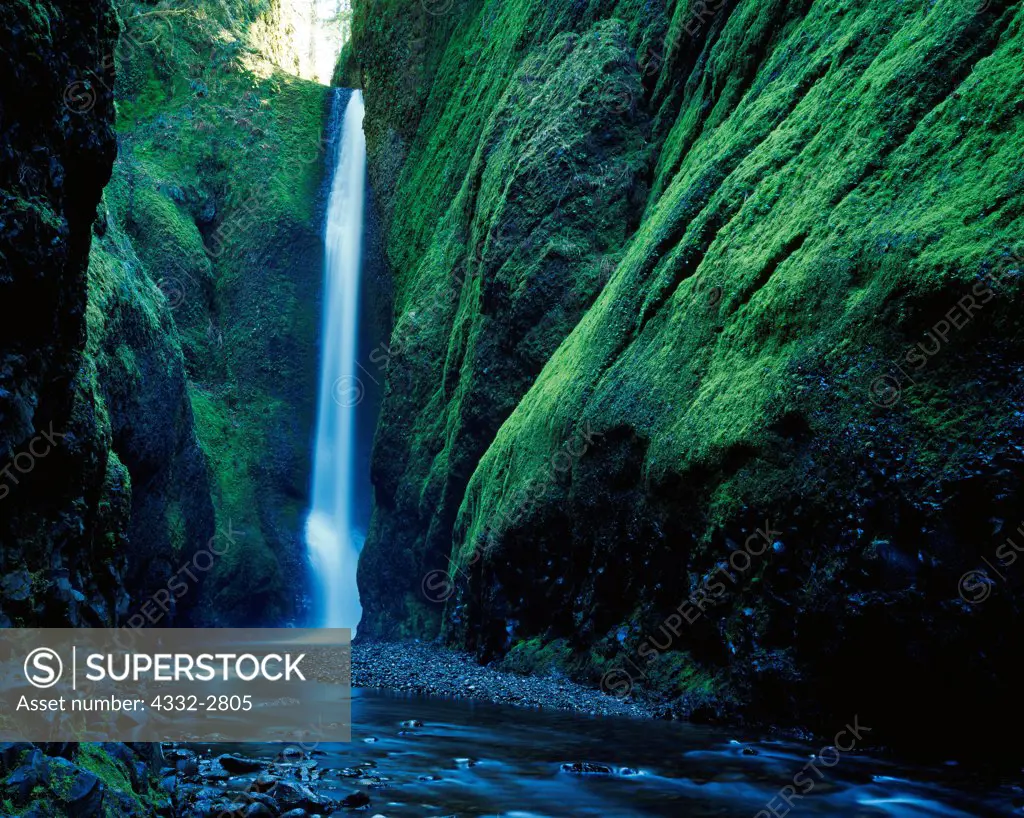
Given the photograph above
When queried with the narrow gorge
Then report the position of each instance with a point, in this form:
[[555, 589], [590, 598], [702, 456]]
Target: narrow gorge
[[640, 381]]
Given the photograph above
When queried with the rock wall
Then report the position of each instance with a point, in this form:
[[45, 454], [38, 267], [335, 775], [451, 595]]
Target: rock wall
[[668, 276], [167, 349], [66, 497], [65, 494], [215, 210]]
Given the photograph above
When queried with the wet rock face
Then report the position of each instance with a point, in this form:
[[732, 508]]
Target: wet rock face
[[792, 331], [104, 491], [547, 204], [83, 781], [61, 493]]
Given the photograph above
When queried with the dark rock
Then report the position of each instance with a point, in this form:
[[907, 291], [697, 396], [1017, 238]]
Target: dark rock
[[210, 808], [21, 781], [264, 782], [208, 212], [79, 790], [53, 166], [586, 768], [16, 586], [291, 795], [188, 767], [240, 764], [14, 753], [356, 800]]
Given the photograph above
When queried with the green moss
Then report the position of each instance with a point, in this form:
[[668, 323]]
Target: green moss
[[214, 231], [764, 206], [116, 779], [534, 657], [807, 189]]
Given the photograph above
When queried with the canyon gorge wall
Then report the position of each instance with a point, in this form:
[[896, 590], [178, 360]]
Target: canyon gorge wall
[[704, 304], [160, 331]]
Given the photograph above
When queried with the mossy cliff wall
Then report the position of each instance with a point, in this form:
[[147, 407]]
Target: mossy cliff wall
[[64, 494], [661, 272], [66, 498], [173, 368], [214, 209]]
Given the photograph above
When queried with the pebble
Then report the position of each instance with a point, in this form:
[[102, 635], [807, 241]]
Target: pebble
[[434, 670]]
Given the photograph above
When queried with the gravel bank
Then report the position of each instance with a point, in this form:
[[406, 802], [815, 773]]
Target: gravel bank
[[415, 667]]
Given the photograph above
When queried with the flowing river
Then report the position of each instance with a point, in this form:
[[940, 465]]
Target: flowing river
[[419, 756]]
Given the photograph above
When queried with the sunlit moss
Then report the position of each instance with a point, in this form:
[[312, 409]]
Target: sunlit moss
[[837, 173]]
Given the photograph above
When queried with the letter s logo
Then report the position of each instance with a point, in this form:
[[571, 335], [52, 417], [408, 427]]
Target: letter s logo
[[39, 668]]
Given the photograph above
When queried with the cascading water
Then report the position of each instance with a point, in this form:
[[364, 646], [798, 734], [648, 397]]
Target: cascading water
[[332, 542]]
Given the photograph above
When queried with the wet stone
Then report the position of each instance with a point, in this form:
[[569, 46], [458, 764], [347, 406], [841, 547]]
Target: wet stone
[[238, 764], [291, 795], [356, 800], [586, 768], [264, 782]]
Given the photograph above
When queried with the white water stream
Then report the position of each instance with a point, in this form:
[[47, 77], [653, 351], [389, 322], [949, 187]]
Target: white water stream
[[332, 542]]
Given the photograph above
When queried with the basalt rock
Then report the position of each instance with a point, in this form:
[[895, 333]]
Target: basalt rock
[[64, 493], [767, 270]]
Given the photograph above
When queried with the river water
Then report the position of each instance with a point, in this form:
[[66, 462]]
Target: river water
[[478, 759]]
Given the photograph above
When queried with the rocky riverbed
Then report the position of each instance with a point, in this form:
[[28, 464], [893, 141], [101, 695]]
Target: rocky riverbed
[[427, 669]]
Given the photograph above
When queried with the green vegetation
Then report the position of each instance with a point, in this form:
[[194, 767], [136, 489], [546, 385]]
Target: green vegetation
[[214, 239], [707, 250]]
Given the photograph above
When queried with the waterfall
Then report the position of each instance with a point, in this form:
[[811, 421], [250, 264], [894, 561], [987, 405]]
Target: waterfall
[[332, 542]]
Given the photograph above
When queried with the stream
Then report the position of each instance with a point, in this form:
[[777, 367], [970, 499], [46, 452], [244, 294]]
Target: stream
[[418, 756]]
